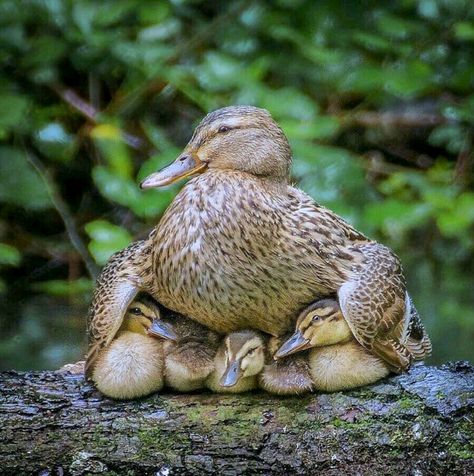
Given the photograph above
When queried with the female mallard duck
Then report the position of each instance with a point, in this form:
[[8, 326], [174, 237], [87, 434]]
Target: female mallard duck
[[188, 352], [131, 365], [337, 361], [239, 247], [240, 366]]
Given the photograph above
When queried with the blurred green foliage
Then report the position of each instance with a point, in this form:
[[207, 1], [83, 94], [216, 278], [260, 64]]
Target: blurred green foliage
[[376, 97]]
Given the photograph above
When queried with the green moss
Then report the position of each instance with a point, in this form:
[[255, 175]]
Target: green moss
[[460, 445], [399, 439], [99, 440], [463, 454], [156, 442], [395, 452], [405, 403], [129, 472], [358, 424], [289, 411], [195, 414]]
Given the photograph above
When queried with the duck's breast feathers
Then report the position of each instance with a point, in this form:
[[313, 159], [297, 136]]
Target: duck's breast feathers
[[234, 251]]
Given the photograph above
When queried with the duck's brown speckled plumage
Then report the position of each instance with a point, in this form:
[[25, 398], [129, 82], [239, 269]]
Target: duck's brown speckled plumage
[[234, 254], [239, 247]]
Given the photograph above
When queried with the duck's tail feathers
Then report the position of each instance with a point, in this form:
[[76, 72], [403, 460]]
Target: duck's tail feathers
[[419, 349], [417, 340]]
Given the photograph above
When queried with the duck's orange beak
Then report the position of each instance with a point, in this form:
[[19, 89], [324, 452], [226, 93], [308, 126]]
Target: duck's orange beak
[[184, 166], [296, 343]]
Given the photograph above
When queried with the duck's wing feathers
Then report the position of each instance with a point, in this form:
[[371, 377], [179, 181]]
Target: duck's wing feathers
[[116, 287], [375, 305]]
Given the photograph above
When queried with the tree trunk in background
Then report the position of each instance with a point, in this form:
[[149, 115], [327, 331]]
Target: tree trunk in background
[[420, 423]]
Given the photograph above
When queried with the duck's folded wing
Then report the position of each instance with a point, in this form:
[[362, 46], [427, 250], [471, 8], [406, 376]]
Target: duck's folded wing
[[116, 287], [376, 306]]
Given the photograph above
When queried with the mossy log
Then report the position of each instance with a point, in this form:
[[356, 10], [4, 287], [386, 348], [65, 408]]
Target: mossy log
[[420, 423]]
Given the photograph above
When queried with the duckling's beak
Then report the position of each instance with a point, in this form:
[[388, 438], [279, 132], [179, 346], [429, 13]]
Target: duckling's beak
[[185, 165], [295, 343], [161, 329], [232, 374]]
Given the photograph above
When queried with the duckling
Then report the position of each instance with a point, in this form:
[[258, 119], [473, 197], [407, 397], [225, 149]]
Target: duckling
[[323, 324], [242, 364], [131, 366], [344, 366], [337, 361], [239, 360], [189, 351], [290, 376]]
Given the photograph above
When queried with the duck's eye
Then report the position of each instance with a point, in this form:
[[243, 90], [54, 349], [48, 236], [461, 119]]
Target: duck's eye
[[135, 311], [223, 129], [316, 318]]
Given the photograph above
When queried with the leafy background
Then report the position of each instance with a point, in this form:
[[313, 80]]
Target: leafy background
[[376, 97]]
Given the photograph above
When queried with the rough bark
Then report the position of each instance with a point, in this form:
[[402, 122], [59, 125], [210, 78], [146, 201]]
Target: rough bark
[[420, 423]]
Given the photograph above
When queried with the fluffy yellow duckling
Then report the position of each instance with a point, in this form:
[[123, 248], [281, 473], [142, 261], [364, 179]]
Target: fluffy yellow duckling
[[337, 361], [131, 366], [239, 360], [189, 351]]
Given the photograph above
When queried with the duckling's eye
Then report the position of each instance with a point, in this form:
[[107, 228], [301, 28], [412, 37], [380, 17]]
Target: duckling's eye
[[135, 311], [316, 318], [223, 129]]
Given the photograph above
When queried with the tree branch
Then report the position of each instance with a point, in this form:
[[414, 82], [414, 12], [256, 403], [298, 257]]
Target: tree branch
[[417, 423], [92, 114], [63, 210]]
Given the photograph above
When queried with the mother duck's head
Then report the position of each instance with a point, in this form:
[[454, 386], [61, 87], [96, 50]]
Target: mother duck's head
[[242, 138]]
